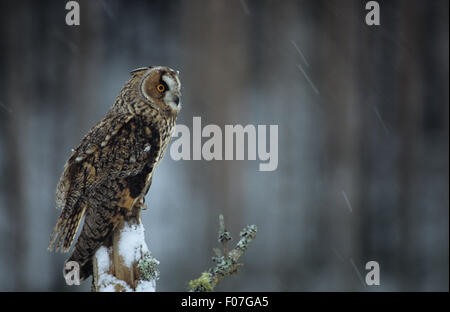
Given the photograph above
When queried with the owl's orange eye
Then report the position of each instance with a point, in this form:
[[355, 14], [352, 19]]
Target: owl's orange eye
[[161, 88]]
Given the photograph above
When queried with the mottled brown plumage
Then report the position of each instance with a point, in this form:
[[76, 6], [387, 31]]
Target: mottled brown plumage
[[110, 171]]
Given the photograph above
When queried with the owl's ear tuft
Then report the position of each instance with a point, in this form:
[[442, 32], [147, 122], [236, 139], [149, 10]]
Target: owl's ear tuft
[[140, 69]]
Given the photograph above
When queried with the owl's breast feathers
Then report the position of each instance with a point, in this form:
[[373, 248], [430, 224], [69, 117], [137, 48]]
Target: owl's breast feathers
[[109, 171]]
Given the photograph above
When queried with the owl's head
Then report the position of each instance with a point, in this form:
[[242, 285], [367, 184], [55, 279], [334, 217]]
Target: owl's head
[[160, 87]]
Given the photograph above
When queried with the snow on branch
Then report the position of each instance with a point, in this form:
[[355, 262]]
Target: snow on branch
[[227, 262], [125, 265]]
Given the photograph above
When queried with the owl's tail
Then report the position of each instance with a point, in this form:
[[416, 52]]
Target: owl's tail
[[66, 227], [97, 228]]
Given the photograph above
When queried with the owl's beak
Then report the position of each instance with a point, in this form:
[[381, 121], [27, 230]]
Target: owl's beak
[[176, 99], [173, 99]]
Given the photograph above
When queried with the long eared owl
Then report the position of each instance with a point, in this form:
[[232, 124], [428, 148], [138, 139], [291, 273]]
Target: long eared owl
[[110, 171]]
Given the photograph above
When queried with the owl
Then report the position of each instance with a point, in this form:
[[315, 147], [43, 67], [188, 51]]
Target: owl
[[110, 171]]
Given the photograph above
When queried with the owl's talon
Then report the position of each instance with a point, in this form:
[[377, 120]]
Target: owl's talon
[[141, 205]]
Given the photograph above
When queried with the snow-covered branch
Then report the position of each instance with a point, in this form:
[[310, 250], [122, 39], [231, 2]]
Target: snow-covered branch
[[126, 265]]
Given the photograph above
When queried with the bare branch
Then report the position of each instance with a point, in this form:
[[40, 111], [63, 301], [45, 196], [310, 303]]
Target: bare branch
[[227, 262]]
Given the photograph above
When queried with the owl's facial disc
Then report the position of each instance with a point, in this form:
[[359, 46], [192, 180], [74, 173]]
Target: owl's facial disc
[[161, 86]]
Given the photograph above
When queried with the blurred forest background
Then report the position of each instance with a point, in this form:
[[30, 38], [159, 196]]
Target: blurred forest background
[[363, 115]]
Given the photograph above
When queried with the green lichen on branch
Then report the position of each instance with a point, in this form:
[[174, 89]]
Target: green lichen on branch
[[148, 267], [201, 284], [227, 262]]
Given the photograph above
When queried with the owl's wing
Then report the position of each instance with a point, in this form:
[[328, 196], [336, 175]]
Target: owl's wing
[[111, 149]]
